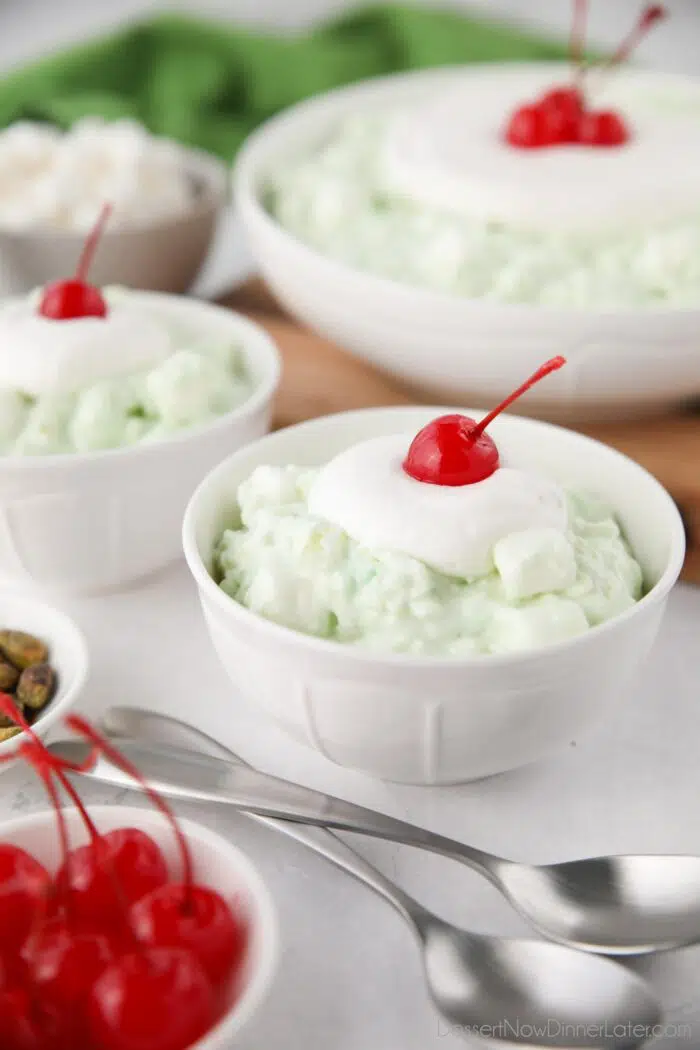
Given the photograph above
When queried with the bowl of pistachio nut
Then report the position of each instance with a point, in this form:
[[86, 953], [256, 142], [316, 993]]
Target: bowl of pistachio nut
[[43, 664]]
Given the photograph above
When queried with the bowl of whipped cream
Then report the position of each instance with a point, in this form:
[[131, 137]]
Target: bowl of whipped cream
[[166, 202], [396, 218], [432, 627], [107, 422]]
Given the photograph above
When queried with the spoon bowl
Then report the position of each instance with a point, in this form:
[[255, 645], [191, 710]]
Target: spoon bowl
[[532, 992], [626, 905]]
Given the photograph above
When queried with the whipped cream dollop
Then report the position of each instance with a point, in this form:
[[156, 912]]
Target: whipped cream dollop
[[41, 356], [448, 152], [453, 529], [57, 179]]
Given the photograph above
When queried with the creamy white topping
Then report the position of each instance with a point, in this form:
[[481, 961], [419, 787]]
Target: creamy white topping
[[365, 492], [42, 356], [449, 152], [50, 178]]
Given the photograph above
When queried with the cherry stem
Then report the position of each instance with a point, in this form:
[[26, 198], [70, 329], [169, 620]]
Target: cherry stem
[[544, 370], [649, 17], [84, 729], [96, 838], [79, 805], [9, 708], [36, 755], [578, 36], [45, 765], [90, 247]]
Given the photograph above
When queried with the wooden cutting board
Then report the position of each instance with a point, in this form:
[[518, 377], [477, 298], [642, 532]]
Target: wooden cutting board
[[320, 377]]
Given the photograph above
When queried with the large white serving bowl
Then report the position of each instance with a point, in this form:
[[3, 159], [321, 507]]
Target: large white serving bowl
[[437, 720], [161, 255], [68, 655], [621, 362], [217, 863], [95, 521]]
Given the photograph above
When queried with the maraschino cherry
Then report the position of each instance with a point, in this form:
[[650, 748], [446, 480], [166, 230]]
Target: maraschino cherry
[[74, 298], [156, 998], [125, 861], [180, 914], [561, 116], [88, 989], [455, 450], [23, 884]]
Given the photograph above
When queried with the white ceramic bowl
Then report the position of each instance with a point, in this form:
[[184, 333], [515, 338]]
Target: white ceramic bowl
[[95, 521], [217, 864], [621, 362], [68, 655], [431, 720], [160, 256]]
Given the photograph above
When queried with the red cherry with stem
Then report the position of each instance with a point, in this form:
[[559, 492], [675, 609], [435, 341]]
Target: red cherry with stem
[[184, 915], [156, 999], [560, 115], [454, 450], [24, 883], [26, 1024], [115, 869], [63, 964], [199, 920], [602, 128], [168, 985], [533, 127], [564, 107], [96, 881], [70, 299], [125, 861]]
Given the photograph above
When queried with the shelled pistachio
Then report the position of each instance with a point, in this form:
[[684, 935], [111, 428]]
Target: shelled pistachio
[[26, 675]]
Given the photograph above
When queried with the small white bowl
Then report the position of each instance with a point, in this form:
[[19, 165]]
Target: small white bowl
[[437, 720], [68, 655], [622, 362], [164, 255], [217, 863], [95, 521]]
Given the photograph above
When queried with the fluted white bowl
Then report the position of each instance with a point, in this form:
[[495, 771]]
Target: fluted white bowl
[[217, 863], [95, 521], [436, 720], [622, 362]]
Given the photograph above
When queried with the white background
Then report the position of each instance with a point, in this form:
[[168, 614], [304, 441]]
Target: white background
[[349, 977], [31, 27]]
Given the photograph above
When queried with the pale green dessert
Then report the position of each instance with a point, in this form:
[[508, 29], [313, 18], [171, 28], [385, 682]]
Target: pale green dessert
[[91, 384], [294, 568], [334, 198]]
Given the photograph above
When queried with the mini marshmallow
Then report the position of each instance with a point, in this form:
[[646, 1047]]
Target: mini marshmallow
[[542, 621], [535, 561]]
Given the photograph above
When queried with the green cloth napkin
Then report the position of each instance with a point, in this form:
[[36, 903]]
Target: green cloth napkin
[[208, 84]]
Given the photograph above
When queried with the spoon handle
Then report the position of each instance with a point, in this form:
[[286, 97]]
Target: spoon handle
[[169, 731], [185, 775]]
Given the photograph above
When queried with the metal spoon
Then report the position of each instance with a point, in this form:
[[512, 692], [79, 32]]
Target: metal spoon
[[520, 993], [616, 905]]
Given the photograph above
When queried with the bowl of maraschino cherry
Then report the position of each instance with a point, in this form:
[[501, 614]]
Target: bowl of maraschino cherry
[[123, 928]]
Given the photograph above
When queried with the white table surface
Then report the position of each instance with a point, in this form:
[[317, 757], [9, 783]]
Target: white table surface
[[349, 977]]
